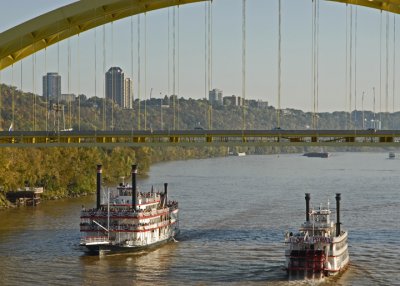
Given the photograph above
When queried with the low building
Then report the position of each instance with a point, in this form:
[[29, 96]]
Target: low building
[[67, 97]]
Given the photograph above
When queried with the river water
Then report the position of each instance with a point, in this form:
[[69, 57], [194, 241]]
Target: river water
[[234, 213]]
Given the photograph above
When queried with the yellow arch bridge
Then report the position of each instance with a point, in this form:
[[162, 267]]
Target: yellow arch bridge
[[201, 138], [80, 16]]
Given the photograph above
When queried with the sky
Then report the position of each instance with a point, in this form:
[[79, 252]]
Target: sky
[[372, 67]]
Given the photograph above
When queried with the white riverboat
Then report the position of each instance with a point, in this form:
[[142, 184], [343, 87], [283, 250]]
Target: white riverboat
[[129, 220], [319, 249]]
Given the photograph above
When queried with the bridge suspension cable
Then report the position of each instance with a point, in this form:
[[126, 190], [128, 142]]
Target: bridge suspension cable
[[34, 90], [56, 110], [145, 71], [278, 111], [380, 69], [113, 78], [394, 64], [210, 58], [132, 99], [69, 84], [355, 66], [1, 103], [169, 52], [244, 64], [104, 87], [95, 76], [139, 127], [20, 76], [174, 66], [346, 64], [206, 90], [387, 71], [315, 62], [350, 65], [12, 126], [79, 83], [178, 64], [46, 97]]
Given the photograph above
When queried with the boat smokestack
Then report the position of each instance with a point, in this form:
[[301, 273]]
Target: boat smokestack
[[98, 189], [134, 195], [338, 214], [308, 207], [165, 189]]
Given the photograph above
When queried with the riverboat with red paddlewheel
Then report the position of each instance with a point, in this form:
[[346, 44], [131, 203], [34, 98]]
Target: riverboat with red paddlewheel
[[319, 249], [128, 220]]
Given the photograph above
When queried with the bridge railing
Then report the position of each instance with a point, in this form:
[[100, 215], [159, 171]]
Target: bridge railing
[[201, 138]]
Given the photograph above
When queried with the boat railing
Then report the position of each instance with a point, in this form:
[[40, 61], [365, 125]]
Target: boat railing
[[308, 239], [153, 225], [316, 224], [104, 213], [124, 227], [122, 213]]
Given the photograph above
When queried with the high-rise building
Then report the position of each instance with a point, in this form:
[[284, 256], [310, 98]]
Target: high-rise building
[[215, 97], [52, 86], [115, 85], [128, 93]]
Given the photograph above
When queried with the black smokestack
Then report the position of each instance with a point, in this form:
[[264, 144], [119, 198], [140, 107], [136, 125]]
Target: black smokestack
[[99, 171], [165, 197], [308, 207], [337, 214], [134, 195]]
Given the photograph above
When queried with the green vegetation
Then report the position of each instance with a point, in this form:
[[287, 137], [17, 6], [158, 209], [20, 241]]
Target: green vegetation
[[69, 172]]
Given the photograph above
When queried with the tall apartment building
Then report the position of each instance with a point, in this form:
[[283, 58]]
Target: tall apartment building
[[215, 97], [52, 86], [115, 85], [128, 93]]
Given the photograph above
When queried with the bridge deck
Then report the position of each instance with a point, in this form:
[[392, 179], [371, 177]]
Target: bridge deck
[[198, 138]]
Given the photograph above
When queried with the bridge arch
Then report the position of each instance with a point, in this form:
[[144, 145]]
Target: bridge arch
[[57, 25], [67, 21]]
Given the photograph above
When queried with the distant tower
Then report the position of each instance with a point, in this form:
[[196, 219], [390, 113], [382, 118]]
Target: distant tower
[[128, 93], [51, 86], [215, 97], [115, 85]]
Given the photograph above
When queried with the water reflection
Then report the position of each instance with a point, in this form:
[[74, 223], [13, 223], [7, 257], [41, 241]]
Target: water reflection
[[143, 267]]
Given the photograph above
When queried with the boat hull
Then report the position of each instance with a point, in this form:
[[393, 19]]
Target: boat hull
[[108, 249]]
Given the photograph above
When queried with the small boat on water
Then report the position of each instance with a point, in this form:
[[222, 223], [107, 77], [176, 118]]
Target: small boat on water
[[392, 155], [317, 154], [320, 247], [236, 153], [129, 220]]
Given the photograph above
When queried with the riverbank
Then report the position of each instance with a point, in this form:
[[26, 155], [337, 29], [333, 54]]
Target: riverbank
[[70, 172]]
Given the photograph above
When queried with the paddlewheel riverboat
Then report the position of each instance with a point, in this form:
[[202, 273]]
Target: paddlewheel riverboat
[[320, 248], [129, 220]]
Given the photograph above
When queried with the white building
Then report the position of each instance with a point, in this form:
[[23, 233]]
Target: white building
[[128, 93]]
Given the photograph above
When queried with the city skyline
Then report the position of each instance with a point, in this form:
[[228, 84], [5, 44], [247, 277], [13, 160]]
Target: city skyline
[[261, 73]]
